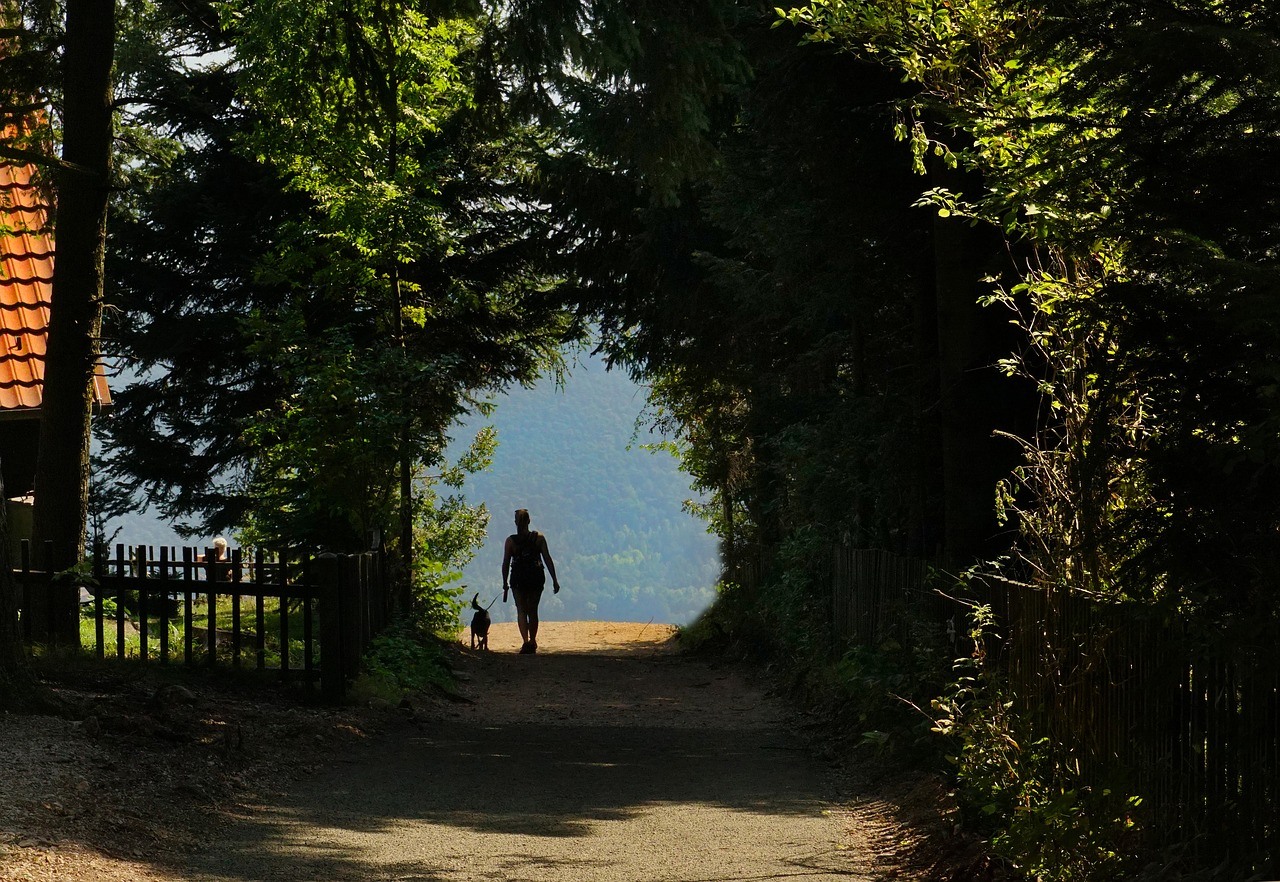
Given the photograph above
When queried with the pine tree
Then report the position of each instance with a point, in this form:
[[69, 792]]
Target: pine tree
[[332, 307]]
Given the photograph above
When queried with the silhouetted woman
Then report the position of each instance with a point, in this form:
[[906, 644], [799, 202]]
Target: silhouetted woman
[[522, 559]]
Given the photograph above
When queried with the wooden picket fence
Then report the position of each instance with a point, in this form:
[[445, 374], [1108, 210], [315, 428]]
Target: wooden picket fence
[[324, 610], [1133, 702]]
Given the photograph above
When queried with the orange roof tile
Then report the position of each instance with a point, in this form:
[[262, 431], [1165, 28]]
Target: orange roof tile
[[26, 288]]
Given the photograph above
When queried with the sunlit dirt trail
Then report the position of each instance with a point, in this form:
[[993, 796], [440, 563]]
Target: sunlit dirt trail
[[606, 756]]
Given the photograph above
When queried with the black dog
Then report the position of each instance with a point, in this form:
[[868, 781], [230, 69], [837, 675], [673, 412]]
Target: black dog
[[479, 624]]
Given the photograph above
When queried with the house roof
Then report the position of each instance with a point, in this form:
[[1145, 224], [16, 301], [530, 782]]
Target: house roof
[[26, 289]]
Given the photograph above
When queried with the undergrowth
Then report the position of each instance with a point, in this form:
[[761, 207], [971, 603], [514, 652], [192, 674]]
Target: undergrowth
[[877, 696], [881, 691], [403, 659], [1019, 790]]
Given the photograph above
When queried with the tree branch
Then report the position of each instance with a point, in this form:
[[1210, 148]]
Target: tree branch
[[35, 157]]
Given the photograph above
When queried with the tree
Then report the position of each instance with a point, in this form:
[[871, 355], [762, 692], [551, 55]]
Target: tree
[[411, 217], [298, 233], [1130, 228], [1193, 191], [81, 181], [82, 185], [774, 295], [1127, 157]]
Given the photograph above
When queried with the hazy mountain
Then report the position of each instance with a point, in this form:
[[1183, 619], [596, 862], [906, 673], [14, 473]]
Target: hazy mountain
[[624, 548]]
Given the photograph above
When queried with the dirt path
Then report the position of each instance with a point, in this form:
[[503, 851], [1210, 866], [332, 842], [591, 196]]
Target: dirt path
[[604, 757], [607, 756]]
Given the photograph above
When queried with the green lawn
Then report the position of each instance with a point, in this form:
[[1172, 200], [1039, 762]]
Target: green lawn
[[271, 614]]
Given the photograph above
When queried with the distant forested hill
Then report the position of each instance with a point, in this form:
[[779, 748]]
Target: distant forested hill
[[624, 548]]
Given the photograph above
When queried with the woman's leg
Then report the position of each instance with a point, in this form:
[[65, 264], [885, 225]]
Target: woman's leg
[[533, 623], [521, 622], [531, 600]]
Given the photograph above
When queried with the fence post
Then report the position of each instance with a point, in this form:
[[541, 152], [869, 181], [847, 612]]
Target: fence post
[[307, 581], [378, 573], [236, 576], [282, 580], [166, 598], [143, 597], [26, 606], [368, 603], [100, 554], [49, 610], [121, 560], [188, 600], [372, 600], [351, 601], [211, 623], [333, 681]]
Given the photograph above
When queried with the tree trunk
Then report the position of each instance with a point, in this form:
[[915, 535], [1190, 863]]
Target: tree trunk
[[969, 343], [926, 478], [397, 299], [406, 522], [864, 514], [62, 465]]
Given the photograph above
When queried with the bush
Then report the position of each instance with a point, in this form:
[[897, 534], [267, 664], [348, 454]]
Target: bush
[[1018, 791], [438, 609], [881, 692], [402, 659], [719, 627]]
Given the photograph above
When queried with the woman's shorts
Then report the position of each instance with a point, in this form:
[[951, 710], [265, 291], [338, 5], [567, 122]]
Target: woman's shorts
[[527, 596]]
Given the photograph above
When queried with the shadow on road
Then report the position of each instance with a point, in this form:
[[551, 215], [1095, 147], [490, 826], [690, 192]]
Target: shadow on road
[[500, 793]]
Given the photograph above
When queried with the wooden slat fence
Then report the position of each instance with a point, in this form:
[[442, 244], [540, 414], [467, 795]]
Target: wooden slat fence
[[879, 596], [1134, 703], [1193, 729], [323, 610]]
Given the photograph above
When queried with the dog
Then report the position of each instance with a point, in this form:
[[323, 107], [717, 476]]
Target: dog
[[479, 625]]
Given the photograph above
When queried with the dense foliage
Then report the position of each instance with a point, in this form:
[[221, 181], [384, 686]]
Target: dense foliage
[[1099, 177], [344, 283], [1147, 238], [986, 282]]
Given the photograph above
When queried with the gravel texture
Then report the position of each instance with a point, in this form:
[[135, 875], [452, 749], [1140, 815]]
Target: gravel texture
[[605, 756]]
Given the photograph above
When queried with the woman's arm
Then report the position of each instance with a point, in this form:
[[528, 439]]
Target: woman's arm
[[506, 567], [551, 565]]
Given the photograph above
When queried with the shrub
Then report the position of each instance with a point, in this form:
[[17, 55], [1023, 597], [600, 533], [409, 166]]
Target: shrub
[[402, 659], [1018, 790]]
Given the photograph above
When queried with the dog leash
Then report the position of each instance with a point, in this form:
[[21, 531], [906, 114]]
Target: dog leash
[[492, 602]]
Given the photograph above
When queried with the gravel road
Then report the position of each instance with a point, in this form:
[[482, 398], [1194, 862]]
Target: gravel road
[[606, 756]]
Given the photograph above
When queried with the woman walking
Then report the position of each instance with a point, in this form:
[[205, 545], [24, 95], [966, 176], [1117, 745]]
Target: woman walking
[[522, 558]]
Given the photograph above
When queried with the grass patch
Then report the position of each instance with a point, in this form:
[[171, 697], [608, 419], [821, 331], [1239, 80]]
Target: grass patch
[[224, 624]]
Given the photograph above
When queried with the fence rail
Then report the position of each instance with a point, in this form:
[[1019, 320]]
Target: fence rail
[[1135, 703], [306, 618]]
